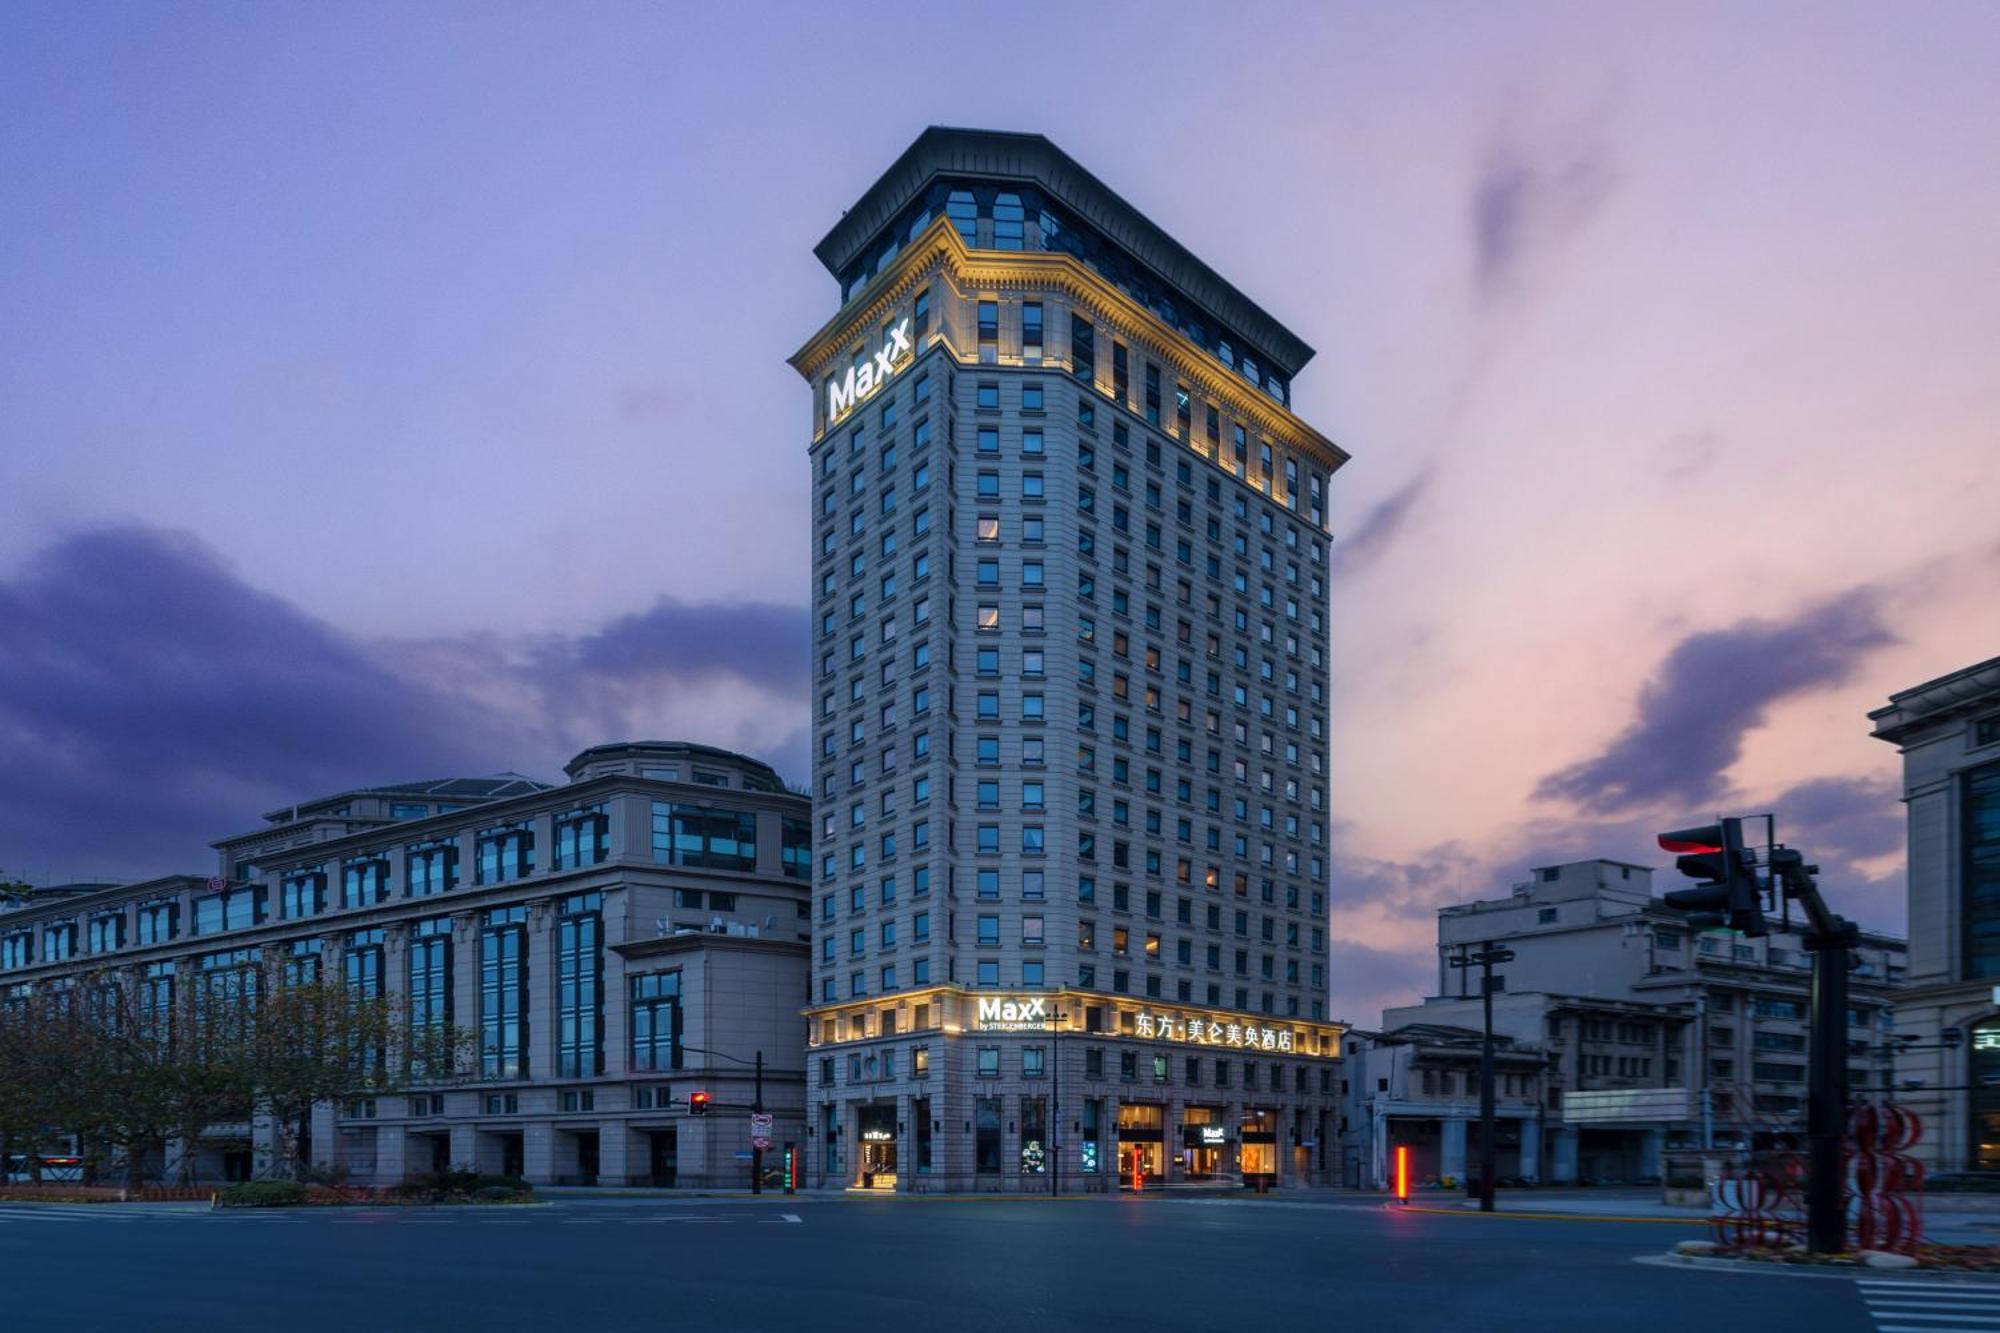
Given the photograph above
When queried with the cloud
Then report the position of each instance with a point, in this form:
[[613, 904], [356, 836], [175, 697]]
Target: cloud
[[1378, 528], [1366, 981], [1708, 693], [1527, 198], [151, 701], [763, 644]]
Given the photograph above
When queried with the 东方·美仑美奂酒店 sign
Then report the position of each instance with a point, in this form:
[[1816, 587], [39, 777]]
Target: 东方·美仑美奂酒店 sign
[[1070, 679]]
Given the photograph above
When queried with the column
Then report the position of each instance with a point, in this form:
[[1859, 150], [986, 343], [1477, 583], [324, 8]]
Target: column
[[538, 1162], [1563, 1154], [1379, 1164], [1531, 1148], [391, 1156], [1451, 1148], [464, 1146], [620, 1153], [1651, 1143]]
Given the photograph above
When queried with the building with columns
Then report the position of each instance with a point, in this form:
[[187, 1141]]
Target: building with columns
[[1654, 1038], [1070, 595], [614, 942], [1948, 733]]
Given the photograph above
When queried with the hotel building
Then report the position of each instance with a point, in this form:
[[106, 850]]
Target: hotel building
[[612, 944], [1070, 595], [1948, 732]]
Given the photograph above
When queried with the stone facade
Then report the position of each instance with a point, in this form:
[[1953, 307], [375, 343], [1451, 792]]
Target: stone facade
[[1070, 645], [1948, 733], [336, 889]]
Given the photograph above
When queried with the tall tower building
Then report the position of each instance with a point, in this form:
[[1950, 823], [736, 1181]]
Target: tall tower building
[[1070, 595]]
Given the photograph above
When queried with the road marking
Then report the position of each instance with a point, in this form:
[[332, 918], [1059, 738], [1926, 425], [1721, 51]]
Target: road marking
[[786, 1217], [1908, 1307]]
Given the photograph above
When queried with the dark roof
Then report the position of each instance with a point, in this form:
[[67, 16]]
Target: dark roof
[[689, 749], [498, 787], [1006, 155]]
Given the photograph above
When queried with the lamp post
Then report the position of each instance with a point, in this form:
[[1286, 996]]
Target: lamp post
[[1484, 960], [1056, 1020]]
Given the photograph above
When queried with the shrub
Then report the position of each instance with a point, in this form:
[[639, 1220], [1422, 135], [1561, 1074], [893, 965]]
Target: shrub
[[263, 1194], [497, 1194]]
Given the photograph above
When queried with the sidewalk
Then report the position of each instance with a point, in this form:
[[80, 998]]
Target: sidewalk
[[1948, 1218]]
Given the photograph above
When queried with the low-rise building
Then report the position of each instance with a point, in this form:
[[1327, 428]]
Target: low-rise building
[[1655, 1037], [615, 943]]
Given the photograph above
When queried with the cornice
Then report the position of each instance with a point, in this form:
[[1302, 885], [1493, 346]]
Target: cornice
[[940, 247]]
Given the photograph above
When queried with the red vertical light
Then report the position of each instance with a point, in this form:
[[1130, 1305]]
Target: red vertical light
[[1402, 1175]]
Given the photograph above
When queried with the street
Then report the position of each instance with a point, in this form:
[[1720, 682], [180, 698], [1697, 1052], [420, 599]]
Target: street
[[832, 1266]]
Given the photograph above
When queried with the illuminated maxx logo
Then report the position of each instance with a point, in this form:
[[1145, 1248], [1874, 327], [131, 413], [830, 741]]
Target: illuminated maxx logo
[[844, 395], [1028, 1011]]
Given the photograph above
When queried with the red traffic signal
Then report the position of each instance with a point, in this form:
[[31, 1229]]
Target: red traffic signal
[[1729, 894], [698, 1102], [1707, 838]]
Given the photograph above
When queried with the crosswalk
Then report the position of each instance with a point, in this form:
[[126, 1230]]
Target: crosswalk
[[1932, 1307]]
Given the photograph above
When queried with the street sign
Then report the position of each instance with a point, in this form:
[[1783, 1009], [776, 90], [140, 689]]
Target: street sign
[[760, 1129], [744, 1155]]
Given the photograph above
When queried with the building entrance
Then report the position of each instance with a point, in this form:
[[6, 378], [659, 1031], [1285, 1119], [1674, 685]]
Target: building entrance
[[1141, 1145], [1258, 1155], [664, 1157], [878, 1148], [1204, 1143]]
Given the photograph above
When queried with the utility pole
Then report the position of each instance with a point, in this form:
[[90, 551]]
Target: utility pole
[[1484, 960]]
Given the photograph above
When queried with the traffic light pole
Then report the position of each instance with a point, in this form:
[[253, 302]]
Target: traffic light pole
[[1831, 940], [1826, 1097], [756, 1153]]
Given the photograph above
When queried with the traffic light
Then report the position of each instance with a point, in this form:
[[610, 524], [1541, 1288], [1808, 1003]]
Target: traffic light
[[698, 1102], [1731, 895]]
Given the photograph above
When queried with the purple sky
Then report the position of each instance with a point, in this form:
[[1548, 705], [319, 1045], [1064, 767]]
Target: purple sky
[[393, 391]]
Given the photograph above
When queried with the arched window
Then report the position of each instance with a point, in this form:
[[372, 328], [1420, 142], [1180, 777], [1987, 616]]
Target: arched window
[[964, 215], [1008, 216]]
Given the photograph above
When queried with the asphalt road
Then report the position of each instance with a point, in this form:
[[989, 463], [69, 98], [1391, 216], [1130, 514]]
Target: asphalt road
[[831, 1266]]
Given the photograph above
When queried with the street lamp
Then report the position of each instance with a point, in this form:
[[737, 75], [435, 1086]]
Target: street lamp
[[1057, 1020], [1484, 960]]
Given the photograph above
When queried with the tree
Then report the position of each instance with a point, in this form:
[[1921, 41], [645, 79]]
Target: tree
[[131, 1063], [320, 1042]]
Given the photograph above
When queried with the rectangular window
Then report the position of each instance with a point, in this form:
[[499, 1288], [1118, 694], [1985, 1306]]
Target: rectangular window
[[1031, 333], [1082, 348], [580, 986], [429, 998], [689, 835], [583, 838], [364, 882], [505, 854], [430, 868], [503, 993], [656, 1021]]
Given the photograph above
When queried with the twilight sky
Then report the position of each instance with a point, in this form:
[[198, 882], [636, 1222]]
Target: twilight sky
[[389, 391]]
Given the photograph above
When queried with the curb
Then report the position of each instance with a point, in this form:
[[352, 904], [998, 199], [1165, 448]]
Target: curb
[[1523, 1215], [1936, 1277]]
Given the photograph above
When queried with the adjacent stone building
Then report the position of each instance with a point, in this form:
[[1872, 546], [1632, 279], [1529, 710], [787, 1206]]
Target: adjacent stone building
[[615, 943], [1948, 732]]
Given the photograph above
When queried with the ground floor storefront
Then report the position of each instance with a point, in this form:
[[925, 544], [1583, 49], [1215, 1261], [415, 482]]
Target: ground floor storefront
[[962, 1092]]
